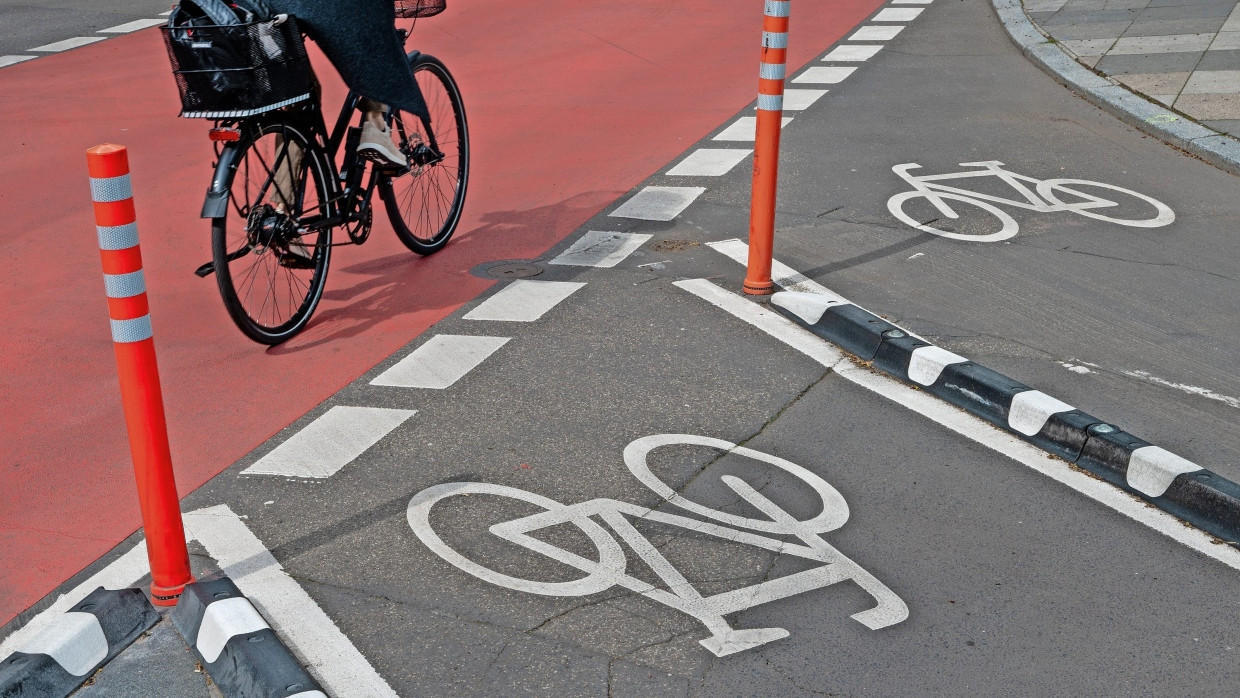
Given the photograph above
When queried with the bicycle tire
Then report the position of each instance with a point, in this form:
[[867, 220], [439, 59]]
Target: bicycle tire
[[896, 206], [611, 555], [1163, 216], [834, 512], [257, 238], [424, 204]]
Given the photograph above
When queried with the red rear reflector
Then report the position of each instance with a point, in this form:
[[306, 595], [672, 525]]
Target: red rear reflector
[[224, 134]]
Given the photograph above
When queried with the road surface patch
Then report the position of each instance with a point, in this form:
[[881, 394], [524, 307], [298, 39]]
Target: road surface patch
[[330, 442]]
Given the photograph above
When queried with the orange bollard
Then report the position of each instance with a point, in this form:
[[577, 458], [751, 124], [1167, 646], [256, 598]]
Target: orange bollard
[[117, 227], [766, 147]]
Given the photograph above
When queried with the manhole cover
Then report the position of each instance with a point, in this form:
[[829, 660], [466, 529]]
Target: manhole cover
[[509, 269]]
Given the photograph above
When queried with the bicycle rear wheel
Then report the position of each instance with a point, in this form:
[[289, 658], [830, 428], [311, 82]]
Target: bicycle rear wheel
[[269, 265], [424, 203]]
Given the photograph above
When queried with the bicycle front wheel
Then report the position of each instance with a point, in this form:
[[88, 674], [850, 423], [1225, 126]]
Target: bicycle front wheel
[[424, 203], [270, 266]]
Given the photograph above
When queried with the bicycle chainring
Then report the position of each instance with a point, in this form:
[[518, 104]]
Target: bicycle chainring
[[359, 230]]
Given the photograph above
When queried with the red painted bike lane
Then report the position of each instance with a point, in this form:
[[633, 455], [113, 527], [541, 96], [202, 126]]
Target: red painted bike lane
[[570, 104]]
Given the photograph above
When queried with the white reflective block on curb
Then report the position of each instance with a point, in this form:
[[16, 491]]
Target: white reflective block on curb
[[709, 162], [927, 363], [309, 694], [824, 75], [658, 203], [75, 640], [223, 620], [897, 14], [524, 300], [853, 52], [599, 248], [745, 129], [1152, 469], [439, 363], [810, 307], [1031, 409], [330, 442]]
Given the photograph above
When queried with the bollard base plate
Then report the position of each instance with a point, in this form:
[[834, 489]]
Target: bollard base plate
[[759, 288], [168, 595]]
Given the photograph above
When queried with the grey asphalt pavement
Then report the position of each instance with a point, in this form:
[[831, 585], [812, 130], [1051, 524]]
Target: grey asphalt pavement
[[29, 24], [1015, 584]]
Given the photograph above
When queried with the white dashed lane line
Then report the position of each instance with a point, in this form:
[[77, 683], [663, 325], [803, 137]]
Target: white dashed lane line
[[877, 32], [133, 26], [330, 442], [658, 203], [523, 301], [440, 362], [744, 128], [67, 44], [709, 162], [897, 14], [12, 60], [853, 52], [77, 41], [824, 75], [598, 248], [798, 100]]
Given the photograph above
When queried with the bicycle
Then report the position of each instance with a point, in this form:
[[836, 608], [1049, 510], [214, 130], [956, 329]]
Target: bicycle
[[609, 569], [1049, 197], [283, 182]]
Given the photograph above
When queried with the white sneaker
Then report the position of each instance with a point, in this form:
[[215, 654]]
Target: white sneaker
[[377, 145]]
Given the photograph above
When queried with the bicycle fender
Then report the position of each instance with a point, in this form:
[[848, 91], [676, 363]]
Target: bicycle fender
[[215, 204]]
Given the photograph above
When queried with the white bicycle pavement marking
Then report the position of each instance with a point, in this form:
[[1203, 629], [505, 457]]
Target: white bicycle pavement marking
[[609, 570], [1046, 196]]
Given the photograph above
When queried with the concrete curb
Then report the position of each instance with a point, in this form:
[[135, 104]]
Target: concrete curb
[[1218, 150], [1165, 480], [239, 650], [59, 659]]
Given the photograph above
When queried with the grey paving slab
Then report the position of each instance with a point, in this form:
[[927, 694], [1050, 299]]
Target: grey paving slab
[[1216, 81], [1164, 27], [1156, 83], [1093, 30], [1226, 41], [1220, 60], [1066, 16], [1228, 126], [1210, 106], [1175, 43], [1186, 12]]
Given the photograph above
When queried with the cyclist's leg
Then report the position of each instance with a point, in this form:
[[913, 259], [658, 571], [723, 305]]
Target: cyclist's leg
[[377, 141]]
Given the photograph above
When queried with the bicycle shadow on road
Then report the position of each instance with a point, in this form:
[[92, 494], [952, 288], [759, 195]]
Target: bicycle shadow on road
[[419, 291]]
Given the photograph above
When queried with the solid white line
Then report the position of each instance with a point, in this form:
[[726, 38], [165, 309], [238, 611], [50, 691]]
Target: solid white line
[[969, 426], [293, 614], [884, 32], [14, 60], [598, 248], [897, 14], [853, 52], [658, 203], [782, 274], [523, 300], [744, 129], [824, 75], [133, 26], [439, 363], [709, 162], [330, 442], [68, 44], [797, 100], [1152, 469]]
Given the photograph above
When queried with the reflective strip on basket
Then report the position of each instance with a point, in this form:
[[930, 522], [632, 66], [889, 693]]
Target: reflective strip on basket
[[775, 39], [777, 8], [238, 113], [117, 237], [129, 331], [105, 190], [125, 285], [771, 102], [772, 71]]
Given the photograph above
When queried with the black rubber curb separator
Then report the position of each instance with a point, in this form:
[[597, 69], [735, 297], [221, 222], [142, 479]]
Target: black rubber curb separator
[[239, 650], [1176, 485], [56, 661]]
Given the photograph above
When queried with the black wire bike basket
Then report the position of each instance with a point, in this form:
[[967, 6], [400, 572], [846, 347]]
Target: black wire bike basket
[[239, 70], [410, 9]]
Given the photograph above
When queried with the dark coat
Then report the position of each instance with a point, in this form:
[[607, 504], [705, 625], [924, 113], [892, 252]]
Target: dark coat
[[358, 38]]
